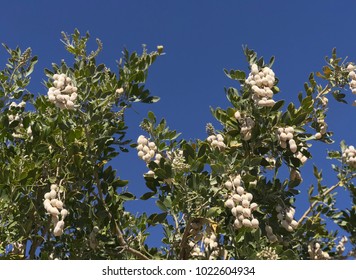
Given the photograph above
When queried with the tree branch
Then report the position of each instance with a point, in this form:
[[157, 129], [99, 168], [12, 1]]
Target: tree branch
[[316, 202]]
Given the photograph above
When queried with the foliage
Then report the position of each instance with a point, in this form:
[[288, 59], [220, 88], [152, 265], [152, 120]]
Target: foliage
[[224, 197]]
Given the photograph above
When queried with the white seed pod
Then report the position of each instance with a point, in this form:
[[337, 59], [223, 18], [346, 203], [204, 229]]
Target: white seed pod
[[47, 196], [249, 196], [150, 173], [246, 223], [254, 69], [47, 204], [142, 140], [53, 211], [240, 190], [73, 96], [294, 224], [289, 129], [237, 115], [57, 232], [140, 154], [283, 144], [55, 77], [237, 181], [219, 137], [229, 203], [146, 149], [289, 136], [246, 212], [293, 148], [69, 104], [270, 103], [53, 202], [245, 203], [285, 224], [53, 194], [255, 223], [228, 185], [51, 97], [289, 217], [234, 211], [54, 187], [236, 198], [59, 204], [152, 153], [237, 224], [240, 217], [283, 136], [317, 135], [151, 145], [253, 206], [64, 213]]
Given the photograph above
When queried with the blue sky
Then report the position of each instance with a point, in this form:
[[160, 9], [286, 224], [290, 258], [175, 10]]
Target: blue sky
[[200, 39]]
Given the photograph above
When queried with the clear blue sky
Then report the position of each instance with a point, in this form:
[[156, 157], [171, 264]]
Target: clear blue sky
[[200, 39]]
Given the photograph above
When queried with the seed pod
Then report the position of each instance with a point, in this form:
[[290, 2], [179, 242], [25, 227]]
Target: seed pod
[[53, 202], [47, 195], [70, 104], [289, 217], [283, 144], [57, 232], [236, 198], [237, 181], [228, 185], [245, 203], [54, 187], [294, 224], [234, 211], [317, 135], [240, 190], [255, 223], [246, 223], [246, 212], [293, 148], [59, 204], [237, 115], [237, 224], [229, 203], [253, 206], [283, 136], [53, 194], [249, 196], [53, 211], [140, 154], [151, 145], [64, 213], [289, 136]]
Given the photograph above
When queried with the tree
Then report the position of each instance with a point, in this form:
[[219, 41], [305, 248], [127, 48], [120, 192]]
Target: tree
[[223, 197]]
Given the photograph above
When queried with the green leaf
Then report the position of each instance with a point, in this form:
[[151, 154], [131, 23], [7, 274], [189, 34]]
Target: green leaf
[[213, 212]]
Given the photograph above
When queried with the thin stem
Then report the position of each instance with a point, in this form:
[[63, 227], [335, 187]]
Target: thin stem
[[316, 202]]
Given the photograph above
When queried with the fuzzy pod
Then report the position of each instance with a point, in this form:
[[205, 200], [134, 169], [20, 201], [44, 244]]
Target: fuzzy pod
[[53, 194], [245, 203], [255, 223], [47, 195], [59, 204], [228, 185], [64, 213], [240, 190], [237, 181], [246, 223], [246, 212], [236, 198], [253, 206], [237, 224], [229, 203], [249, 196], [53, 211]]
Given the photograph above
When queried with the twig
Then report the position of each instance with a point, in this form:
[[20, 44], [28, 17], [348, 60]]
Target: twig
[[183, 244], [316, 202]]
